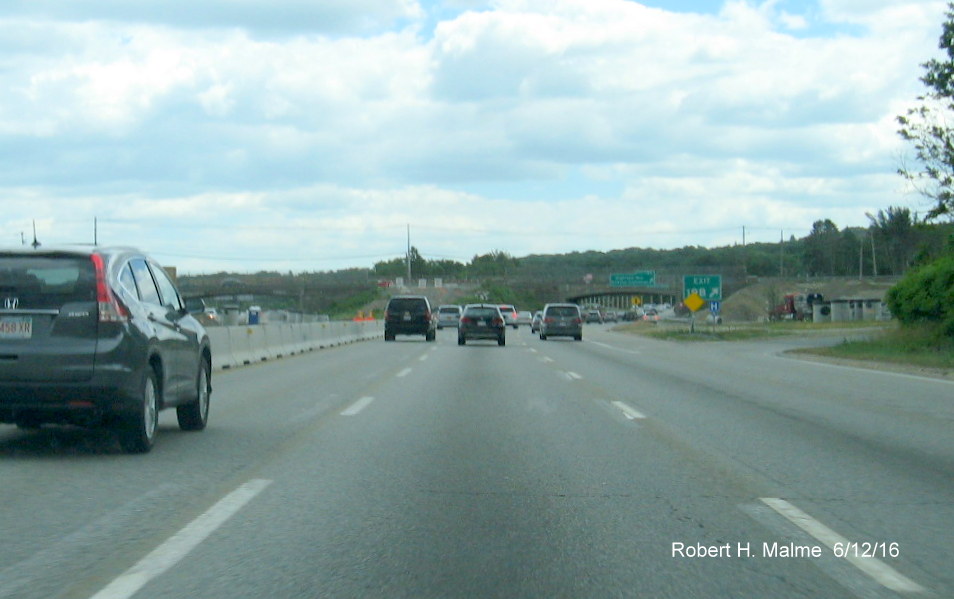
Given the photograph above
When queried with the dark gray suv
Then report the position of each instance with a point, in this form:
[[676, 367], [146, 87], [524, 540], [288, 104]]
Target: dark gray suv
[[409, 315], [561, 320], [94, 335]]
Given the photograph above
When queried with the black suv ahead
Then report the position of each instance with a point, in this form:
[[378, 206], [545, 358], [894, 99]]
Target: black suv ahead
[[94, 335], [409, 315]]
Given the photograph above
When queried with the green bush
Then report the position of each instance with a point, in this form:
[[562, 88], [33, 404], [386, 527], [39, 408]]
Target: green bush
[[926, 295]]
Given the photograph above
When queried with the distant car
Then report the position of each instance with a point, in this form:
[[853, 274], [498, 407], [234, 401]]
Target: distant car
[[524, 317], [409, 315], [448, 315], [561, 320], [630, 315], [482, 321], [209, 317], [97, 335], [651, 314], [593, 316], [610, 316], [509, 314], [535, 323]]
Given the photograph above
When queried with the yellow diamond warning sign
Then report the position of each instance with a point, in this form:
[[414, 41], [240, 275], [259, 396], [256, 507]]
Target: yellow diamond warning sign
[[694, 302]]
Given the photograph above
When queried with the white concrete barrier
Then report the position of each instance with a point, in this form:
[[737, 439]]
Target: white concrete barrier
[[257, 344], [274, 344], [241, 350], [238, 346], [221, 348]]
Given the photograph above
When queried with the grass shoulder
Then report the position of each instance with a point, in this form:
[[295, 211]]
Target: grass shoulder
[[920, 348]]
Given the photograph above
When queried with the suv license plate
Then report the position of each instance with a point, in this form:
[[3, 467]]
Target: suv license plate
[[16, 327]]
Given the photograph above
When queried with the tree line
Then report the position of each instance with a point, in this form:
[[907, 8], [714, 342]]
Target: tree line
[[895, 240]]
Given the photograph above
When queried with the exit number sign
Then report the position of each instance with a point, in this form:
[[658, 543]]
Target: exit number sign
[[707, 287]]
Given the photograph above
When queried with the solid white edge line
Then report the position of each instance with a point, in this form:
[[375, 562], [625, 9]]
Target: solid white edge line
[[357, 406], [573, 375], [628, 411], [881, 572], [614, 348], [926, 379], [179, 545]]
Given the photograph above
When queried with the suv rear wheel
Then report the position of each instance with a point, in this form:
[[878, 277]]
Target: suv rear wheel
[[138, 432], [195, 416]]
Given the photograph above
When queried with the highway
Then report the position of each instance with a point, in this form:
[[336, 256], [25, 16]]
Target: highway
[[615, 467]]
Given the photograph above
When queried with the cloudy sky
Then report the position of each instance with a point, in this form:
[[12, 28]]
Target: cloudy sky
[[306, 135]]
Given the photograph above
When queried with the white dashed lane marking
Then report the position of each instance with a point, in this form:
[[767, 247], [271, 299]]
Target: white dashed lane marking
[[881, 572], [628, 411], [167, 555], [357, 406]]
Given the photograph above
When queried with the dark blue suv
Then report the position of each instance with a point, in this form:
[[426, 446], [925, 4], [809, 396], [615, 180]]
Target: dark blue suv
[[92, 336]]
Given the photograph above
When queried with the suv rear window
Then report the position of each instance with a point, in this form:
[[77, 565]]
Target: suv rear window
[[562, 311], [407, 304], [46, 282], [450, 310], [481, 313]]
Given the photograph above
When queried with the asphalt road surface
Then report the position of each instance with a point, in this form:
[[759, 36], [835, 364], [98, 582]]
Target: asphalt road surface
[[615, 467]]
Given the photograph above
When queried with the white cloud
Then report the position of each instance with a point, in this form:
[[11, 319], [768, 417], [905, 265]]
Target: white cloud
[[510, 108], [885, 14], [270, 19]]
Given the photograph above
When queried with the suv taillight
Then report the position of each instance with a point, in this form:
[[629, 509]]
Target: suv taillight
[[110, 310]]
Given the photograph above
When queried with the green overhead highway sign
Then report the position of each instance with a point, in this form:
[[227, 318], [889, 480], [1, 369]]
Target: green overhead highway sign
[[645, 278], [707, 287]]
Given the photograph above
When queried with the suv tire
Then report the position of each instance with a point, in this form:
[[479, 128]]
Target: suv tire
[[137, 433], [195, 416]]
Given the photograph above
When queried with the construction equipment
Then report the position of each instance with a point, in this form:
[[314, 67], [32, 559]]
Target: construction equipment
[[795, 306]]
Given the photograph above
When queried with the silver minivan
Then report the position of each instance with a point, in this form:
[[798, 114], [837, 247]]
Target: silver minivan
[[561, 320], [448, 315]]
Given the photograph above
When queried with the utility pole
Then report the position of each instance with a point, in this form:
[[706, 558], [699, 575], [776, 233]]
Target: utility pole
[[781, 253], [409, 253], [861, 257], [745, 266], [874, 257]]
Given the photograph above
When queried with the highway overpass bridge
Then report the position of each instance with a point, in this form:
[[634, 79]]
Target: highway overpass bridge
[[621, 298]]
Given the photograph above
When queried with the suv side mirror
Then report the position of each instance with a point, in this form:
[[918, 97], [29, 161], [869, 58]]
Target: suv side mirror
[[194, 305]]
